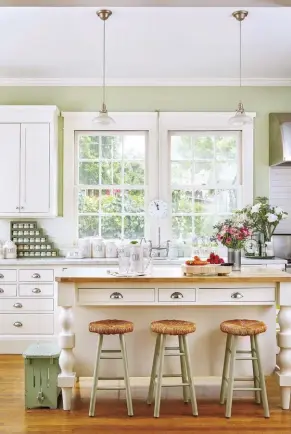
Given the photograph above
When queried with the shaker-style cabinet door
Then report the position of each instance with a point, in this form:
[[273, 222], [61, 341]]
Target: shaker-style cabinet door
[[35, 168], [9, 168]]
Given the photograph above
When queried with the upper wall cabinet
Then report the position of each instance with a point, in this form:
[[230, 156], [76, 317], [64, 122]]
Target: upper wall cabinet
[[28, 161]]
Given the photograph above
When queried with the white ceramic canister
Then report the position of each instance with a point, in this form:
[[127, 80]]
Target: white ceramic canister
[[10, 250], [98, 248], [2, 255], [84, 247], [173, 250], [111, 249]]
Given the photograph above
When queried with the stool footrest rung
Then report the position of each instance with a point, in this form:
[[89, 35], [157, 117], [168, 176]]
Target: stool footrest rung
[[110, 351], [176, 385], [246, 358], [176, 354], [111, 358], [242, 379], [243, 351], [172, 348], [110, 378], [172, 375], [250, 389]]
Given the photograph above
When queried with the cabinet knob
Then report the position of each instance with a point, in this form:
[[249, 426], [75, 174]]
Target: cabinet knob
[[17, 305], [35, 276], [116, 295], [36, 290], [22, 207], [1, 276], [1, 290], [236, 295], [177, 295], [17, 207], [17, 324]]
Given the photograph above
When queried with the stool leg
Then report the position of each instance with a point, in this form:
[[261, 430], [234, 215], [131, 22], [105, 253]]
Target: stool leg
[[225, 371], [255, 371], [262, 380], [183, 370], [95, 377], [126, 376], [160, 375], [233, 342], [154, 370], [190, 376]]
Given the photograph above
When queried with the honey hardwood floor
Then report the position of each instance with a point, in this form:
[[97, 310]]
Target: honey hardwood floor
[[111, 415]]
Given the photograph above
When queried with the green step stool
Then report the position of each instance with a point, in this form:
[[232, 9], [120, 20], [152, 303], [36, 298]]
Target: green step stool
[[41, 375]]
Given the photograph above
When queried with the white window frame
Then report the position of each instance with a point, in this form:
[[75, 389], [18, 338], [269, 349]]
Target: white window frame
[[76, 122], [195, 122]]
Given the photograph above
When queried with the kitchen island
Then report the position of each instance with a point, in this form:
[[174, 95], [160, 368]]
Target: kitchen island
[[87, 294]]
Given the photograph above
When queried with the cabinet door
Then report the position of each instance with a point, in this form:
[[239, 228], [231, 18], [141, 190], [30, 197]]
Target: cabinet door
[[9, 168], [35, 168]]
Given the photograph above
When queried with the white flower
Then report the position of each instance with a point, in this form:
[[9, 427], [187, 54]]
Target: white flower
[[256, 208], [278, 210], [271, 217], [284, 215]]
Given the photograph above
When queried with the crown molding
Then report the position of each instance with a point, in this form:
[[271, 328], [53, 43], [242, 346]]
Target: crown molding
[[162, 82]]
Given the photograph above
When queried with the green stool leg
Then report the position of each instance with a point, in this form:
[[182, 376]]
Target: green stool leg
[[262, 380], [183, 370], [95, 378], [160, 375], [225, 371], [233, 342], [126, 376], [255, 371], [154, 371], [190, 376]]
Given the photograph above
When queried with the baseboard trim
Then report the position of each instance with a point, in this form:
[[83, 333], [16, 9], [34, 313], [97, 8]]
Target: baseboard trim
[[16, 345]]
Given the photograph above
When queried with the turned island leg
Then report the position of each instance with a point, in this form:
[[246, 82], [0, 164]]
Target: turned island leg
[[284, 342], [66, 378]]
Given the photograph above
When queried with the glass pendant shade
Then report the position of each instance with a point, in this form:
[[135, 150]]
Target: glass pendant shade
[[103, 118], [240, 118]]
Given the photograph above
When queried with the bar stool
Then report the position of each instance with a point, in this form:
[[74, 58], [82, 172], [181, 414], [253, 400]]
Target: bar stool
[[111, 327], [234, 329], [181, 329]]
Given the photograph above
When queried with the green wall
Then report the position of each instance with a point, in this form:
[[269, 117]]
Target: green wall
[[261, 100]]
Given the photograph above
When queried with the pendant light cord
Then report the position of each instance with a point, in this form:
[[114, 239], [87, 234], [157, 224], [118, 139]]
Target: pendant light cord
[[104, 60], [240, 57]]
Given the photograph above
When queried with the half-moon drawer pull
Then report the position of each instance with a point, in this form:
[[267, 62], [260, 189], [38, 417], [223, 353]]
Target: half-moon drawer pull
[[116, 295], [17, 324], [236, 295], [36, 290], [1, 290], [1, 276], [35, 276], [177, 295], [18, 305]]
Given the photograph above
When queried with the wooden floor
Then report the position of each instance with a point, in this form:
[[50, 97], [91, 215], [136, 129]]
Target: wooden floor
[[111, 416]]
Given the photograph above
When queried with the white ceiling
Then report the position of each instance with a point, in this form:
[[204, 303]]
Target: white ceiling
[[145, 46]]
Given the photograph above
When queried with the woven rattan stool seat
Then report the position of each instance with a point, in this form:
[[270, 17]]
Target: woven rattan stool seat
[[173, 327], [243, 327], [111, 327]]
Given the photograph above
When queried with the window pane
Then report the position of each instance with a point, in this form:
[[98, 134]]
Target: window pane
[[181, 173], [134, 173], [111, 201], [226, 172], [134, 147], [203, 173], [133, 227], [110, 173], [111, 227], [89, 147], [226, 200], [111, 147], [203, 148], [181, 201], [226, 148], [88, 226], [204, 201], [133, 201], [89, 173], [203, 225], [88, 201], [181, 148], [182, 227]]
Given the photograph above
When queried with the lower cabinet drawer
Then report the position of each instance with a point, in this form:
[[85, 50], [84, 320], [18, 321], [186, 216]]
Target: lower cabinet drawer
[[31, 324], [177, 295], [236, 295], [43, 275], [26, 304], [7, 290], [115, 296], [8, 275], [36, 290]]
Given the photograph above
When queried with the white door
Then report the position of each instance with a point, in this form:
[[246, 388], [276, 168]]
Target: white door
[[35, 168], [9, 168]]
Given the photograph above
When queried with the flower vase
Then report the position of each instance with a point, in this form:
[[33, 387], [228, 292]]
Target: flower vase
[[269, 248], [234, 256]]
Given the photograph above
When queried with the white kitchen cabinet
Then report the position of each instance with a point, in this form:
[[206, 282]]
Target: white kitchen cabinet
[[29, 161]]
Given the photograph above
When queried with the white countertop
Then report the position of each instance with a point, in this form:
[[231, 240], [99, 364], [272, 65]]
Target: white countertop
[[114, 261]]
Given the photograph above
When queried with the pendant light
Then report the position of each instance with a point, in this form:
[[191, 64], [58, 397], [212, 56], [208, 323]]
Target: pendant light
[[240, 118], [103, 118]]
